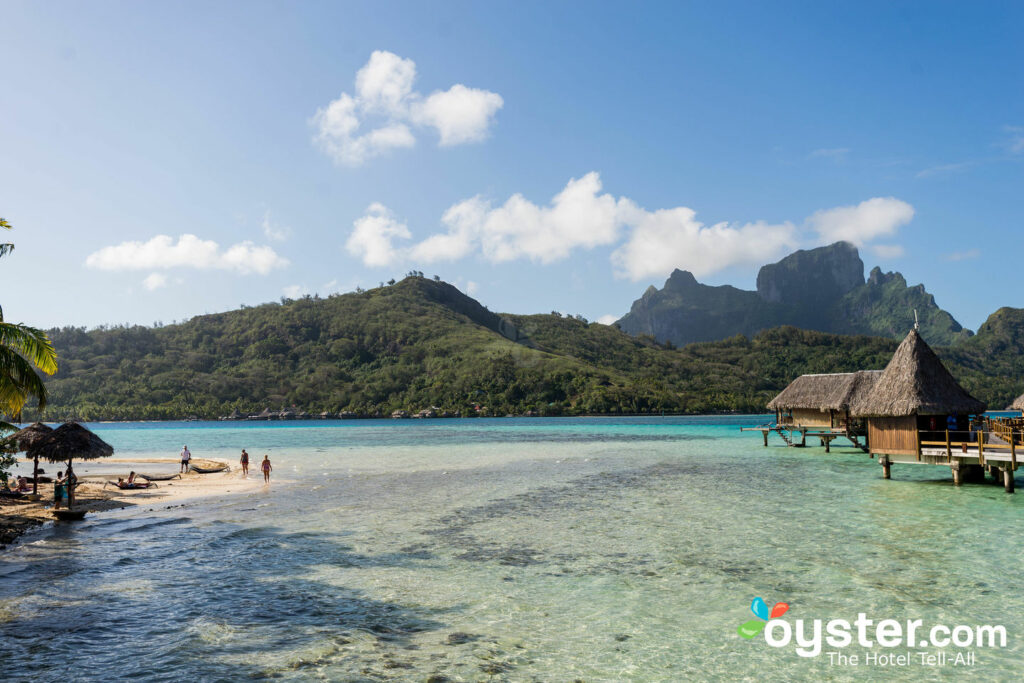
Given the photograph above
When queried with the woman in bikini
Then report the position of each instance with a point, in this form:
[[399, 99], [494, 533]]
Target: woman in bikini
[[265, 466]]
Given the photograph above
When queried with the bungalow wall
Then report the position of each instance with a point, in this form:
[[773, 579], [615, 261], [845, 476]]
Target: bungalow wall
[[805, 417], [893, 435]]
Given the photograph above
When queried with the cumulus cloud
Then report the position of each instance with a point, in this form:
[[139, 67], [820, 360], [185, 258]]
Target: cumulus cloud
[[382, 113], [273, 231], [647, 243], [872, 218], [1015, 142], [663, 240], [578, 217], [162, 252], [608, 319], [155, 281], [372, 236], [888, 251]]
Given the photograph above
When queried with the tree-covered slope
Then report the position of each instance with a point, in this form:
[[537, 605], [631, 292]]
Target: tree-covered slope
[[422, 343]]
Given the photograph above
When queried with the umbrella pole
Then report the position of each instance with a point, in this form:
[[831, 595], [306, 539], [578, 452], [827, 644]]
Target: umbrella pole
[[35, 476], [71, 489]]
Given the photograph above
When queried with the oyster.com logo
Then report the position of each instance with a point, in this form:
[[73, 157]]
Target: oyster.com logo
[[759, 607]]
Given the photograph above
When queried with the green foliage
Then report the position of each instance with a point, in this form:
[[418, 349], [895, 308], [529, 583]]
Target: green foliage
[[422, 343]]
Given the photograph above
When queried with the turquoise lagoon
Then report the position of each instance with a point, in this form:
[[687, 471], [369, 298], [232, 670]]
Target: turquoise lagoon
[[509, 549]]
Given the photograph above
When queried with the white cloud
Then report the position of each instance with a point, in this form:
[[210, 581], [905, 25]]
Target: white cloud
[[273, 231], [666, 239], [836, 154], [872, 218], [372, 235], [964, 255], [460, 114], [649, 243], [943, 169], [155, 281], [472, 288], [386, 107], [162, 252], [295, 291], [888, 251], [577, 217], [608, 319]]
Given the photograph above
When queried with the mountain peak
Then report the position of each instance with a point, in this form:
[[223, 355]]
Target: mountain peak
[[825, 274]]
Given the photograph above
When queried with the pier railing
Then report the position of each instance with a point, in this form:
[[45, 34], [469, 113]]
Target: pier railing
[[980, 439]]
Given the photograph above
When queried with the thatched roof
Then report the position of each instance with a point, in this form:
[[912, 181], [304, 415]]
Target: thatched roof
[[916, 382], [71, 441], [25, 438], [825, 392]]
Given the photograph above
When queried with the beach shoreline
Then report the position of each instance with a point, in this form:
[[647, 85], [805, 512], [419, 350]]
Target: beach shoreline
[[97, 493]]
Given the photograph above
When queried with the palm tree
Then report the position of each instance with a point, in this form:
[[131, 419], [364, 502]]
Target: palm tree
[[23, 350]]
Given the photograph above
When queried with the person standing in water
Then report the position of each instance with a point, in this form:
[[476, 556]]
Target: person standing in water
[[59, 490], [186, 456], [265, 466], [245, 464], [70, 484]]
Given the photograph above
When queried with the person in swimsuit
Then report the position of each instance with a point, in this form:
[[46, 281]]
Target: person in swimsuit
[[59, 490], [186, 456], [70, 485], [265, 466], [245, 464]]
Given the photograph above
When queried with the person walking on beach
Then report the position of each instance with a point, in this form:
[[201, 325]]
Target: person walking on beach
[[186, 456], [245, 464], [265, 466]]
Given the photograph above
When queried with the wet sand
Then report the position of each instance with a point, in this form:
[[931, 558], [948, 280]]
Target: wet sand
[[98, 492]]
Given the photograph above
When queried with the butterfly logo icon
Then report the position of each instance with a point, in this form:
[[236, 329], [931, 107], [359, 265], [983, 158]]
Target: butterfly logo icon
[[759, 607]]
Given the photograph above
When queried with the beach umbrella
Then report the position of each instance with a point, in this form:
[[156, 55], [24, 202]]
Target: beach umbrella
[[69, 441], [24, 439]]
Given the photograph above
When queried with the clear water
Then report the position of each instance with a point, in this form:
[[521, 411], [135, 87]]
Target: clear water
[[508, 549]]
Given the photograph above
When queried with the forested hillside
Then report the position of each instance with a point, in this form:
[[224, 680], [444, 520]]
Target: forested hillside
[[422, 343]]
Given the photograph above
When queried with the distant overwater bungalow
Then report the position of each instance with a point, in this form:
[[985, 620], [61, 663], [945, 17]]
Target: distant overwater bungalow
[[912, 412]]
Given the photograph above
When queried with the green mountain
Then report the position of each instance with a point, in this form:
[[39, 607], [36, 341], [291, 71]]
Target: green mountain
[[422, 343], [818, 289]]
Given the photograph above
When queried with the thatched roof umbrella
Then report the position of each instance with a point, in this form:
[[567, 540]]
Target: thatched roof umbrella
[[25, 439], [915, 382], [71, 440]]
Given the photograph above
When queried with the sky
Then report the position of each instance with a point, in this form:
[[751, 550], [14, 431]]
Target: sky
[[164, 160]]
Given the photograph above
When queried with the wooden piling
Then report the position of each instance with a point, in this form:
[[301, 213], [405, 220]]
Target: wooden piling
[[955, 469], [765, 435], [886, 473], [1008, 479]]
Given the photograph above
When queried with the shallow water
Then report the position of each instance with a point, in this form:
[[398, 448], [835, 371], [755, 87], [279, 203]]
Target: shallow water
[[509, 549]]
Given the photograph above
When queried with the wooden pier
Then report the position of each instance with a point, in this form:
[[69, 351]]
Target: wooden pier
[[788, 432]]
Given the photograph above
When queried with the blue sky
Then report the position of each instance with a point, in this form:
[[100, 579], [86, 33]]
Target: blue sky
[[160, 160]]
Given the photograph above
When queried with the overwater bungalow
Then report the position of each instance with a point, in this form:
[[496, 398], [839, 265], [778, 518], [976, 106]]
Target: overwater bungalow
[[916, 408], [822, 401]]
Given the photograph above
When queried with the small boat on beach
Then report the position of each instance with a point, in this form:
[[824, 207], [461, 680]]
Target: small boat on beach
[[211, 468], [69, 515], [159, 477]]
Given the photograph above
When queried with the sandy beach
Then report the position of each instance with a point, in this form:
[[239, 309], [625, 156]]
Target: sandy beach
[[97, 491]]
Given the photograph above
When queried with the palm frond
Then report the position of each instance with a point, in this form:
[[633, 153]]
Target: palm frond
[[18, 381], [31, 343], [5, 248]]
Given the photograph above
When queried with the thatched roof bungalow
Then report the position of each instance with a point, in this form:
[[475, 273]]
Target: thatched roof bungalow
[[914, 394], [822, 401]]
